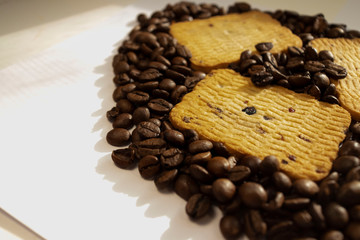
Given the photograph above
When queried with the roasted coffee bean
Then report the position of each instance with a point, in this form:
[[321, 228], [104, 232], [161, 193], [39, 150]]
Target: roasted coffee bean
[[330, 99], [135, 136], [121, 67], [147, 86], [296, 203], [200, 146], [336, 215], [220, 149], [355, 213], [132, 57], [275, 203], [176, 76], [352, 230], [138, 97], [355, 129], [331, 90], [306, 187], [245, 55], [332, 235], [349, 193], [166, 125], [118, 137], [335, 32], [165, 180], [201, 158], [190, 82], [123, 120], [123, 158], [269, 165], [156, 121], [351, 148], [185, 186], [256, 68], [151, 146], [223, 190], [157, 65], [182, 69], [218, 166], [281, 181], [252, 162], [199, 74], [149, 166], [264, 46], [255, 227], [335, 71], [269, 57], [112, 114], [230, 226], [321, 80], [261, 78], [179, 61], [295, 51], [141, 114], [190, 135], [353, 174], [177, 94], [258, 58], [148, 130], [198, 206], [200, 173], [183, 51], [326, 55], [125, 106], [159, 93], [303, 219], [299, 81], [167, 85], [159, 106], [174, 137], [283, 83], [121, 79], [118, 94], [328, 190], [317, 215], [310, 53], [246, 64], [171, 158], [295, 63], [239, 173], [252, 194], [150, 74], [314, 66], [345, 163]]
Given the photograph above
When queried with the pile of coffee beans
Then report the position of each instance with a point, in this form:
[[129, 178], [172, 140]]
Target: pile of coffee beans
[[153, 73], [302, 69]]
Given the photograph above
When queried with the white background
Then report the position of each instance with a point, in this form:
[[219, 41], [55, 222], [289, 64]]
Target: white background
[[56, 174]]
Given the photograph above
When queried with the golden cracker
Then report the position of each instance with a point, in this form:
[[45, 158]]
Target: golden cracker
[[347, 54], [218, 41], [305, 140]]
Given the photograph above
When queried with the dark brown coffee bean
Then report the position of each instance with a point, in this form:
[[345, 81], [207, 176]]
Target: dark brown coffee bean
[[132, 57], [138, 97], [162, 94], [239, 173], [167, 85], [353, 174], [251, 162], [326, 55], [281, 181], [147, 86], [220, 149], [198, 206], [321, 80], [269, 165], [345, 163], [275, 203], [223, 190], [336, 215], [159, 106], [135, 136], [349, 193], [121, 67], [303, 219], [148, 130], [269, 58], [317, 215], [284, 83], [252, 194], [262, 78], [256, 68], [218, 166], [335, 71], [183, 51], [174, 137], [245, 55], [166, 125], [176, 76], [121, 79], [258, 58], [191, 82], [118, 137], [150, 74], [141, 114], [328, 190], [332, 235], [123, 158], [230, 226], [299, 81], [190, 135], [125, 106], [295, 51], [331, 90], [352, 231], [295, 63], [200, 146], [179, 61], [199, 74], [314, 66], [296, 203], [171, 158], [200, 174], [185, 186], [149, 166], [112, 114], [158, 65], [123, 120], [201, 158], [246, 64], [330, 99], [177, 94], [351, 148], [310, 53], [264, 46], [255, 227], [355, 213], [306, 187], [186, 71], [165, 179]]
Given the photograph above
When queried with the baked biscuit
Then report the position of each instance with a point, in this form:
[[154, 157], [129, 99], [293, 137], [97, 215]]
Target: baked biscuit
[[303, 133], [218, 41], [347, 54]]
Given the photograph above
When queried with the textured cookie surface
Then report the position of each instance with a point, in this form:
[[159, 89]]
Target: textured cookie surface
[[302, 132], [347, 54], [215, 42]]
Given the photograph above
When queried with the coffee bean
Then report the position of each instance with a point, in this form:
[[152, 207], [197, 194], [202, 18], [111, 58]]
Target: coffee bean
[[148, 130], [326, 55], [331, 90], [141, 114], [220, 149], [299, 81], [258, 58], [123, 120], [159, 106], [138, 97], [198, 206], [306, 187], [256, 68], [317, 215], [218, 166], [125, 106], [352, 230], [296, 203], [345, 163], [177, 94], [280, 227], [254, 224], [349, 193], [121, 67], [251, 162], [183, 51], [151, 146], [246, 64], [190, 82], [295, 51], [201, 158], [314, 66], [159, 93], [351, 148], [199, 74], [281, 181], [275, 203], [167, 84], [269, 58], [303, 219], [353, 174], [200, 173], [269, 165], [121, 79], [118, 137], [336, 216], [190, 135], [135, 136], [252, 194], [147, 86], [334, 71], [355, 213], [264, 46], [200, 146], [149, 166], [174, 137], [112, 114], [123, 158], [186, 71], [179, 61], [158, 65], [332, 235], [261, 78], [310, 53], [150, 74], [239, 173], [171, 158], [165, 180], [166, 125], [223, 190], [176, 76], [185, 186], [230, 226], [321, 80]]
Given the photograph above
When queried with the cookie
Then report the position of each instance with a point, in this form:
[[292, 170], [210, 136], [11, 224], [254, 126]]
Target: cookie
[[303, 133], [218, 41], [347, 54]]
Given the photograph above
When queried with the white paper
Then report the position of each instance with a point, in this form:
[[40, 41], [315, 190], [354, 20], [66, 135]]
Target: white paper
[[56, 173]]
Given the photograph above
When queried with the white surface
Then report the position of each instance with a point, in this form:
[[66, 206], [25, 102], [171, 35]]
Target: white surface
[[56, 174]]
